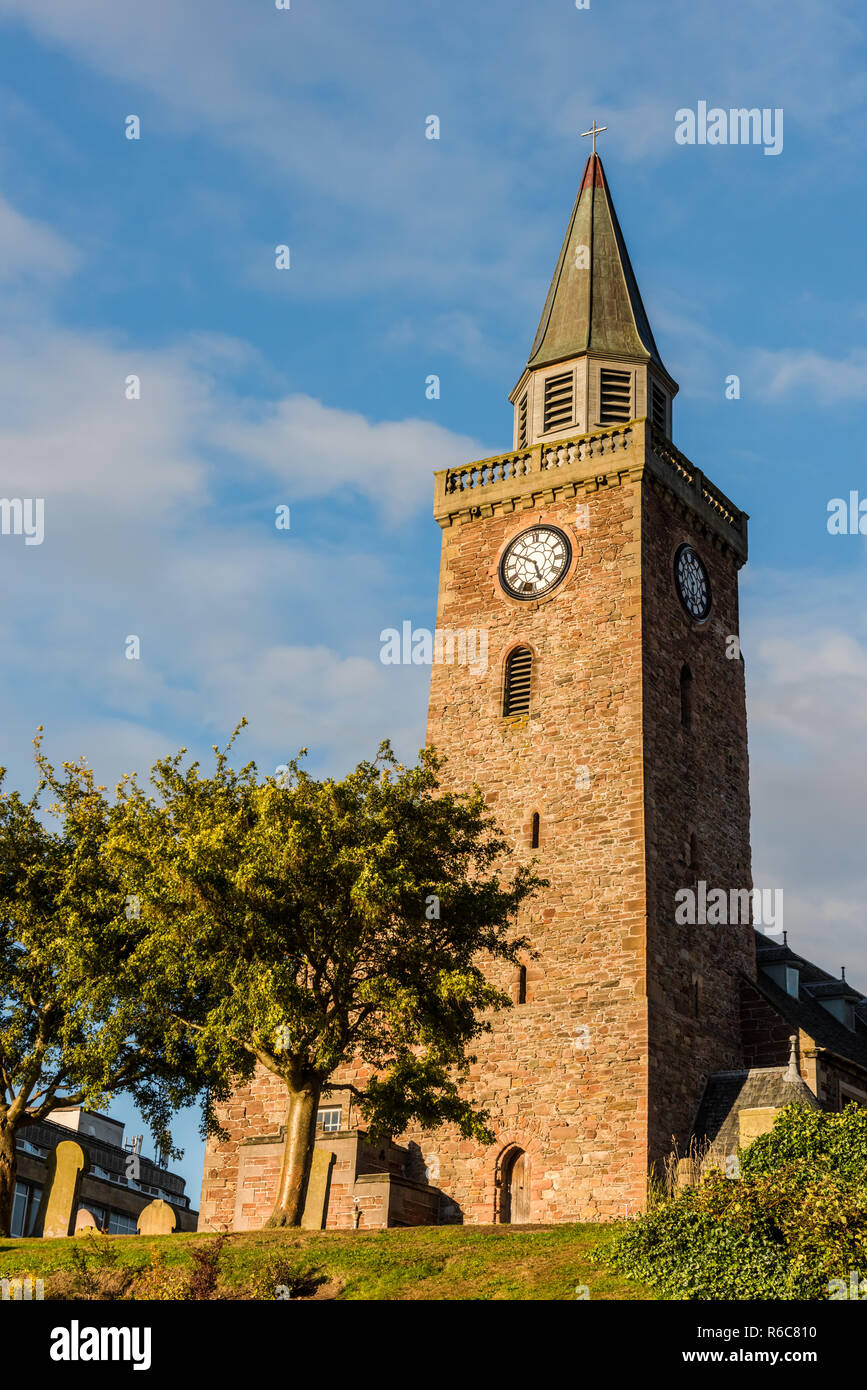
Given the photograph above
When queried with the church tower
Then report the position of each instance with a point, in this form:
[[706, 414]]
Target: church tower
[[608, 732]]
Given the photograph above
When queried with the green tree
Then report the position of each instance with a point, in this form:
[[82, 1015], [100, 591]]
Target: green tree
[[79, 1019], [310, 923]]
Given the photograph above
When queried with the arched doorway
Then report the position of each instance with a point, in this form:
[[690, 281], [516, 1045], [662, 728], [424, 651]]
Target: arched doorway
[[515, 1187]]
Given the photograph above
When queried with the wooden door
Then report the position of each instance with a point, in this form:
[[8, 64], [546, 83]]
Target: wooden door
[[520, 1190]]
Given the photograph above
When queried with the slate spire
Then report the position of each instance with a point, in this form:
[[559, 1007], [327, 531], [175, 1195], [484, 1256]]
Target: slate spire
[[594, 304]]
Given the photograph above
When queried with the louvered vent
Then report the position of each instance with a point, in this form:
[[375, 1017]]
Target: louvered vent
[[517, 694], [558, 401], [615, 396], [522, 424], [657, 407]]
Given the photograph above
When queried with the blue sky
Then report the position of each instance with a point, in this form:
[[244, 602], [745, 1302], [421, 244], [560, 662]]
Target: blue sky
[[409, 257]]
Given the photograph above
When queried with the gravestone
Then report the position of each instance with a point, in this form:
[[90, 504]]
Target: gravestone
[[156, 1219], [316, 1202], [67, 1164], [85, 1221]]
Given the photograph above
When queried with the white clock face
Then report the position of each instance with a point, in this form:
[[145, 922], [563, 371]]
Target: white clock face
[[535, 562]]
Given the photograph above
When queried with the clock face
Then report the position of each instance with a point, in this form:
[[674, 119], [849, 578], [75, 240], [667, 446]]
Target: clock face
[[692, 582], [535, 562]]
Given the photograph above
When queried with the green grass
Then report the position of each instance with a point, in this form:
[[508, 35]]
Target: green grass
[[424, 1262]]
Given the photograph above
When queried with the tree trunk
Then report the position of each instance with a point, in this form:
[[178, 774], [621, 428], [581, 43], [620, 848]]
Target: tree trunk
[[297, 1153], [7, 1176]]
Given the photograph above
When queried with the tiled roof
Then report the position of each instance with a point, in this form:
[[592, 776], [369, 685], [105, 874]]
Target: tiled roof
[[729, 1092], [806, 1012]]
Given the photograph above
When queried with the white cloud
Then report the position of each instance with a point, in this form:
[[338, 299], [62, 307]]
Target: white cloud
[[316, 450], [31, 251], [151, 531], [806, 650], [790, 373]]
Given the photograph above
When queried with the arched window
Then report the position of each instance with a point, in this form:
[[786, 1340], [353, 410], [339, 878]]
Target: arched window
[[521, 985], [534, 834], [686, 697], [516, 696]]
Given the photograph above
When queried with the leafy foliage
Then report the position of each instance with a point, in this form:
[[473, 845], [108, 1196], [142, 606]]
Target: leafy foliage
[[813, 1142], [302, 924], [79, 1017], [795, 1220]]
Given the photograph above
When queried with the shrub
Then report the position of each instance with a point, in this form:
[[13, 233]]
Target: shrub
[[815, 1142], [159, 1281], [96, 1273], [795, 1219], [282, 1277], [206, 1267]]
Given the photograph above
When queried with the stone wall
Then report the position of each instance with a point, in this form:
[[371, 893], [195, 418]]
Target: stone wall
[[697, 809], [563, 1074], [625, 1014]]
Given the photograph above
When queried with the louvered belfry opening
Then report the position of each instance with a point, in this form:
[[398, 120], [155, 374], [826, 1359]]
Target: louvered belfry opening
[[615, 396], [522, 423], [657, 408], [558, 401], [519, 664]]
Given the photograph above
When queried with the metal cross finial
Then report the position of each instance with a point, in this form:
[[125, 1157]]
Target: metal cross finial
[[594, 131]]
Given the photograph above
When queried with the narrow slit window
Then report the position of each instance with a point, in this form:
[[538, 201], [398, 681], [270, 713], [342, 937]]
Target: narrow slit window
[[519, 667], [686, 697], [558, 401], [615, 396], [521, 985], [534, 836]]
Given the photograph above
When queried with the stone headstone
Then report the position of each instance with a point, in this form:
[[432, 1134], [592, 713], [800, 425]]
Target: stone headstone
[[85, 1221], [316, 1202], [157, 1219], [67, 1164]]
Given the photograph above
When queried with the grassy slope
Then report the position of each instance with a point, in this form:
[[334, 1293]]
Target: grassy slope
[[452, 1262]]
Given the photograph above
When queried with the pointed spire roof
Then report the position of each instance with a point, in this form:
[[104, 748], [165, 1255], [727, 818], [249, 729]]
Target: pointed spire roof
[[597, 307]]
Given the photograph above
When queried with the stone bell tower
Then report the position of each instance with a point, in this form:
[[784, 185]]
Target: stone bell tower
[[609, 735]]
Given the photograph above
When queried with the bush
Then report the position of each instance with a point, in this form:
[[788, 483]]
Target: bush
[[96, 1273], [281, 1277], [815, 1142], [795, 1219], [159, 1281]]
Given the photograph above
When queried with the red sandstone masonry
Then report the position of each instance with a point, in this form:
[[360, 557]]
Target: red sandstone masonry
[[608, 648]]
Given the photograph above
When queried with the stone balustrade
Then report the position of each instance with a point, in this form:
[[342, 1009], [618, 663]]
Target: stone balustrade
[[507, 475]]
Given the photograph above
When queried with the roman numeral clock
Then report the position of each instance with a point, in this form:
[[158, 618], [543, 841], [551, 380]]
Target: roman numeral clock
[[535, 562]]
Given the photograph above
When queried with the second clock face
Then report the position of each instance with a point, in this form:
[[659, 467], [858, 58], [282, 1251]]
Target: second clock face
[[535, 562], [693, 583]]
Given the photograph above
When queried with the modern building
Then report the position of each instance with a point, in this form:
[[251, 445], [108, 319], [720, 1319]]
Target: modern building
[[118, 1183]]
